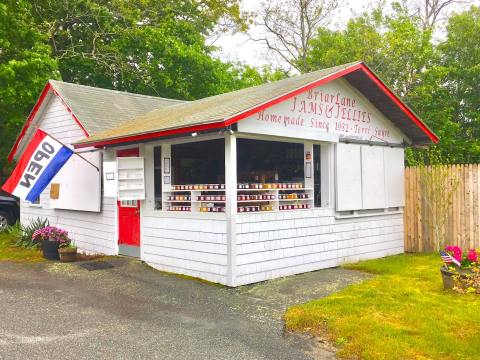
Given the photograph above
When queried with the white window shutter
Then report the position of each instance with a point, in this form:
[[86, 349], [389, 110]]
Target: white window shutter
[[348, 177]]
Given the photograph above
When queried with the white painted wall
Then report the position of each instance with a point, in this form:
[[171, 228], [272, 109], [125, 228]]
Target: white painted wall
[[272, 245], [92, 232], [194, 246]]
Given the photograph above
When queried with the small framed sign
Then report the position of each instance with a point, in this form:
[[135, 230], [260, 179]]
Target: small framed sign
[[110, 176], [166, 179], [166, 165]]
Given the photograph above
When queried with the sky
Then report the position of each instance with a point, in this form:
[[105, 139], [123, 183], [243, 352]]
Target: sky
[[239, 47]]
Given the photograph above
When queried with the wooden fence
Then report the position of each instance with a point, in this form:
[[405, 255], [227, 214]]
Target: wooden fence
[[429, 190]]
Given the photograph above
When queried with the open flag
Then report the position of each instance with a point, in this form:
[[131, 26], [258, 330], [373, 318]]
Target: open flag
[[40, 162]]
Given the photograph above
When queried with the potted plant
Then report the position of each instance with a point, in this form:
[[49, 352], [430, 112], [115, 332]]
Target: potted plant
[[51, 239], [67, 252], [458, 268]]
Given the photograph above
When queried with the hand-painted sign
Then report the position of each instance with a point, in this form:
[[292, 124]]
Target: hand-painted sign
[[42, 159], [323, 113]]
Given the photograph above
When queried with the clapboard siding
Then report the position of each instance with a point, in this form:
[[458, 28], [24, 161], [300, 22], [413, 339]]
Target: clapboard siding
[[92, 232], [279, 244], [194, 247]]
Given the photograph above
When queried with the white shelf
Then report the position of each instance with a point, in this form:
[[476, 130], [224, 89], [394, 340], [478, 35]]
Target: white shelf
[[304, 189], [209, 190], [295, 199], [130, 178], [277, 189]]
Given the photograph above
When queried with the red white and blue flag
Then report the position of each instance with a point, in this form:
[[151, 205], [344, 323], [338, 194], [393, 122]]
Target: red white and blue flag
[[40, 162], [448, 259]]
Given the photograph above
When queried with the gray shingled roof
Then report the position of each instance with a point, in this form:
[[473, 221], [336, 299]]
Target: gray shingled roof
[[211, 109], [220, 108], [101, 109]]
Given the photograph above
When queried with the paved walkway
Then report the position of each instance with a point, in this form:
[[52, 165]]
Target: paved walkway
[[54, 310]]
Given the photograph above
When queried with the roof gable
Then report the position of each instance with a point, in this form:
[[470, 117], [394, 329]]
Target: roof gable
[[101, 109], [226, 109], [328, 112], [93, 109]]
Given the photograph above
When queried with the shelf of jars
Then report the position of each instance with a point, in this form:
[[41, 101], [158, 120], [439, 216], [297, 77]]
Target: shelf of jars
[[195, 198], [210, 198], [261, 197]]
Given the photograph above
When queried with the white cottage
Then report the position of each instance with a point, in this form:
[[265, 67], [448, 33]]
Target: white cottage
[[288, 177]]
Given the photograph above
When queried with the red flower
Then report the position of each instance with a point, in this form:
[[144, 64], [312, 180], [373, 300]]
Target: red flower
[[455, 251], [472, 255]]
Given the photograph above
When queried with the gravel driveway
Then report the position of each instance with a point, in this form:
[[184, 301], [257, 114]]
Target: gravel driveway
[[54, 310]]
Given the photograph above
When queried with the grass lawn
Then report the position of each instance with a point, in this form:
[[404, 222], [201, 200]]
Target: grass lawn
[[402, 313], [10, 252]]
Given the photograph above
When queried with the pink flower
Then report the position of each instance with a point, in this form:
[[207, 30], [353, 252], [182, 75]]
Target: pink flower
[[455, 251], [472, 255]]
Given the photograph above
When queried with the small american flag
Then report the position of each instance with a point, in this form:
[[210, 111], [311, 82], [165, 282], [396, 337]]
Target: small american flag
[[448, 259]]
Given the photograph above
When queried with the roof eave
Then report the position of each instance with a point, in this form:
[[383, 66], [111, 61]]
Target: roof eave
[[149, 135], [359, 66]]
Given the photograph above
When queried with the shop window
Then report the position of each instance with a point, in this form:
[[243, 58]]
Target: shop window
[[157, 173], [200, 162], [269, 161]]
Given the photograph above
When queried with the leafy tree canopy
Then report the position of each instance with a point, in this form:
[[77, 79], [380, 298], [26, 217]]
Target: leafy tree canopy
[[25, 67], [441, 82], [153, 47]]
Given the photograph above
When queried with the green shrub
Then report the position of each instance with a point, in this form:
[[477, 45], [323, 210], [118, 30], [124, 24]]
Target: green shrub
[[14, 230], [23, 234]]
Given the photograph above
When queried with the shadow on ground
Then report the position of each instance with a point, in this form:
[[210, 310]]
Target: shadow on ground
[[55, 310]]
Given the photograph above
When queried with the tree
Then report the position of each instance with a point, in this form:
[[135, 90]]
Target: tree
[[149, 47], [289, 25], [440, 82], [394, 46], [448, 96], [25, 66], [430, 11]]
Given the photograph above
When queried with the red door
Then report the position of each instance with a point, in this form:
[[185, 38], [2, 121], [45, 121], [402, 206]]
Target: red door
[[129, 219]]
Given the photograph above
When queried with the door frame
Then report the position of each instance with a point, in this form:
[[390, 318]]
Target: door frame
[[124, 249]]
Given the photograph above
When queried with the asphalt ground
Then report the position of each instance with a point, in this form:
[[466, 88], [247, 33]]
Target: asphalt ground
[[52, 310]]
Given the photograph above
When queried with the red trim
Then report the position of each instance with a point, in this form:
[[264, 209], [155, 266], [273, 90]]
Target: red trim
[[71, 113], [128, 152], [254, 110], [289, 95], [400, 104], [156, 134], [33, 113]]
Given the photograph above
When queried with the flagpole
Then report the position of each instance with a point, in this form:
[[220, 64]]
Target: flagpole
[[80, 156]]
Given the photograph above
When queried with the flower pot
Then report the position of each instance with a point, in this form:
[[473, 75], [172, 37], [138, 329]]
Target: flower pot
[[447, 276], [68, 254], [50, 250]]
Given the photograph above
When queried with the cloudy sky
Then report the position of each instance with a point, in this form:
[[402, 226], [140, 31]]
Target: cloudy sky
[[239, 47]]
